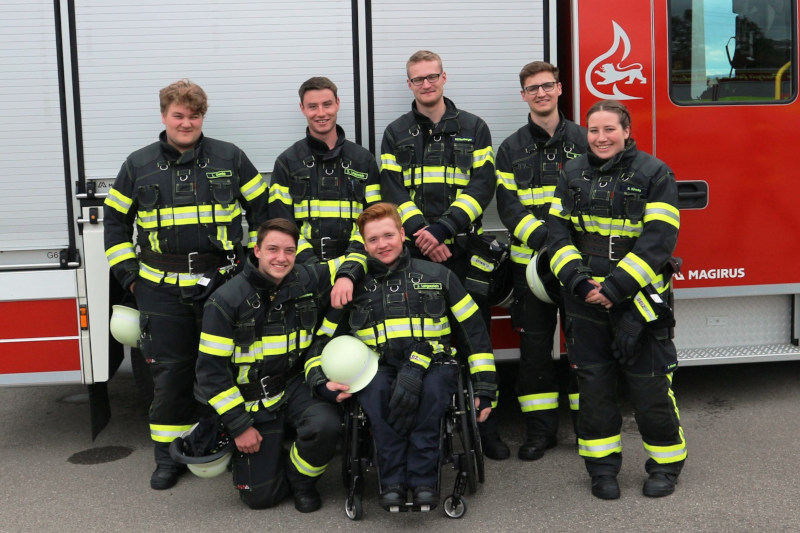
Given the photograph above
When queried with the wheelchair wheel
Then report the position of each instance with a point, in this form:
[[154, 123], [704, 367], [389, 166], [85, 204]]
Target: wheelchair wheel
[[353, 507], [455, 507], [466, 411], [476, 448]]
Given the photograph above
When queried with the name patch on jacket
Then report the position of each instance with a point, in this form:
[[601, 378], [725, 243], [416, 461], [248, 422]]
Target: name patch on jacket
[[219, 174], [427, 286], [355, 173], [463, 140]]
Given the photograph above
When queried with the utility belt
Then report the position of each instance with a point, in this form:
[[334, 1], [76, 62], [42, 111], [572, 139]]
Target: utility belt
[[192, 263], [328, 248], [269, 387], [612, 247]]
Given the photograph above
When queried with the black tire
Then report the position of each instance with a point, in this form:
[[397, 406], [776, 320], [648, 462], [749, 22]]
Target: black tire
[[454, 509], [353, 507], [476, 447]]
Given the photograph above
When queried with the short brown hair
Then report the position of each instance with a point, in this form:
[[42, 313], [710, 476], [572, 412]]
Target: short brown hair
[[612, 106], [377, 212], [317, 83], [534, 68], [423, 55], [278, 224], [184, 92]]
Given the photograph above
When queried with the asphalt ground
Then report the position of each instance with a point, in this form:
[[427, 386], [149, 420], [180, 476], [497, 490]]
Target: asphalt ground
[[741, 475]]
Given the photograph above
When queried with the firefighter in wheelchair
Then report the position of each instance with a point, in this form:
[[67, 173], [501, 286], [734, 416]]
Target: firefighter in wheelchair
[[420, 410]]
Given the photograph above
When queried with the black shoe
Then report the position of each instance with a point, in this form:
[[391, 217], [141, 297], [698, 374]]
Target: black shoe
[[165, 476], [425, 495], [307, 500], [494, 447], [534, 447], [392, 496], [605, 487], [660, 484]]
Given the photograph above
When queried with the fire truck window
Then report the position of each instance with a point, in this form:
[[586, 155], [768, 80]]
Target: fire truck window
[[730, 51]]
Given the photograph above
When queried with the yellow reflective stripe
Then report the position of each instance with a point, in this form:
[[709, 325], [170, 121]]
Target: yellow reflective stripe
[[574, 401], [663, 212], [152, 238], [644, 307], [521, 254], [155, 275], [526, 227], [562, 257], [389, 162], [303, 466], [118, 201], [600, 447], [408, 210], [469, 205], [280, 193], [482, 156], [538, 402], [252, 237], [226, 400], [253, 188], [506, 180], [215, 345], [637, 268], [119, 253], [312, 363], [372, 194], [420, 359], [481, 362], [465, 308], [667, 454], [167, 433], [327, 328]]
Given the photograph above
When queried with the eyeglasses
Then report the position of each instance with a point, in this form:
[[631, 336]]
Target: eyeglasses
[[432, 78], [533, 89]]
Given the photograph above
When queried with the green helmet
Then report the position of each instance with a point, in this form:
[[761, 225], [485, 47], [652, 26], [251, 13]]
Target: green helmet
[[349, 361], [541, 280], [124, 325], [207, 463]]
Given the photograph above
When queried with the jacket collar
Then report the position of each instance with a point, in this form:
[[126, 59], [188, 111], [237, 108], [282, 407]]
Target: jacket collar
[[172, 153], [627, 154], [448, 123], [377, 269], [539, 134], [260, 281], [319, 148]]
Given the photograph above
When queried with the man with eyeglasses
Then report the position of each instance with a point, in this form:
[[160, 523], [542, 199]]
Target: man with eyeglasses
[[528, 165], [437, 165]]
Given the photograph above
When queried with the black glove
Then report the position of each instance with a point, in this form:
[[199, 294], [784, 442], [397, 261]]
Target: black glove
[[627, 343], [404, 402]]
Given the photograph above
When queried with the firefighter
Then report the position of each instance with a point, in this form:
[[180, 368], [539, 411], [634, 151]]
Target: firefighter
[[256, 330], [437, 165], [404, 309], [612, 229], [528, 164], [324, 181], [183, 195]]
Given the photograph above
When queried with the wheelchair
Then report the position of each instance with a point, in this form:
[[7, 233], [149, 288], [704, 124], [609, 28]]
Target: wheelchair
[[459, 446]]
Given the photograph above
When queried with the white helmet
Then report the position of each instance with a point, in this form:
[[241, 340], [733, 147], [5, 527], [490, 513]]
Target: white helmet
[[541, 280], [124, 325], [347, 360], [205, 466]]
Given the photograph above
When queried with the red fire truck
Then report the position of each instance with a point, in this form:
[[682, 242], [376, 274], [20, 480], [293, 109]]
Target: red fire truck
[[711, 84]]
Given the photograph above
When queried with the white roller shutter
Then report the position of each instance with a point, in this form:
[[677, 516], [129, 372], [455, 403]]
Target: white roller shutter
[[249, 56], [33, 202]]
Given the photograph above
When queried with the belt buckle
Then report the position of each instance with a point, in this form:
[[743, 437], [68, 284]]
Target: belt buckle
[[322, 253], [611, 247], [264, 389], [190, 260]]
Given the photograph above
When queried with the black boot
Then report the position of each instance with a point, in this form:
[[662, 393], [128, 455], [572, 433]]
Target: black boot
[[605, 487], [167, 471], [660, 484], [534, 447], [306, 497], [493, 446]]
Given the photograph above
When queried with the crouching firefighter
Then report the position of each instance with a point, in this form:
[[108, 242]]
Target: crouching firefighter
[[256, 329], [405, 309]]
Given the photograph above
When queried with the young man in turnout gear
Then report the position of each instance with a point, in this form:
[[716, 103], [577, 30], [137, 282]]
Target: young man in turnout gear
[[256, 330], [324, 181], [528, 164], [405, 309], [185, 194], [437, 165]]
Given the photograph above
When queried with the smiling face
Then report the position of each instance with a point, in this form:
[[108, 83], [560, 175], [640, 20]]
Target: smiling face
[[183, 125], [541, 102], [320, 108], [606, 135], [276, 255], [427, 94], [383, 240]]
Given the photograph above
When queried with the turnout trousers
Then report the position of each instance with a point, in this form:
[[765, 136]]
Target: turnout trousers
[[590, 332]]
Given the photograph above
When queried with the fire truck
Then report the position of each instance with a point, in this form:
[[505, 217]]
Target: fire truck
[[711, 85]]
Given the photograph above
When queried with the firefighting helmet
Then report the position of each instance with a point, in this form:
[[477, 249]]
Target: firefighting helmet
[[124, 325], [206, 455], [347, 360], [541, 280]]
